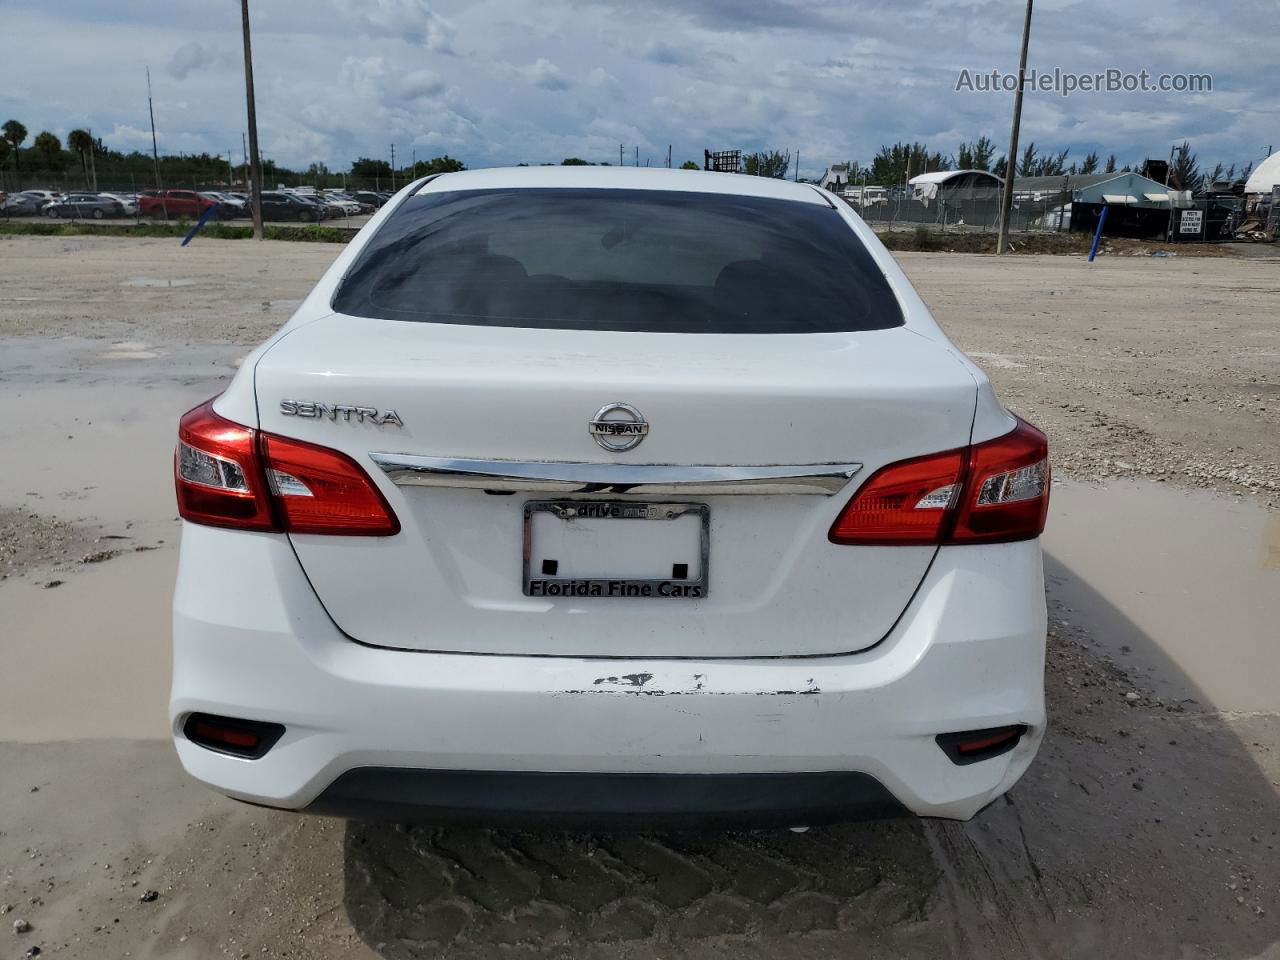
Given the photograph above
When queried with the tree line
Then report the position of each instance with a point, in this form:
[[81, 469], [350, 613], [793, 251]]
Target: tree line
[[84, 156], [898, 162]]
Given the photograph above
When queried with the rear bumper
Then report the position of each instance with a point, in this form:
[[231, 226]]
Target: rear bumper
[[252, 641], [648, 801]]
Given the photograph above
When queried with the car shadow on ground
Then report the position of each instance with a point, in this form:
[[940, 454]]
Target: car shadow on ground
[[1146, 828]]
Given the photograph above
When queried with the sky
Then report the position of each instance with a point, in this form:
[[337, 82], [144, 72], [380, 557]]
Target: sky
[[499, 82]]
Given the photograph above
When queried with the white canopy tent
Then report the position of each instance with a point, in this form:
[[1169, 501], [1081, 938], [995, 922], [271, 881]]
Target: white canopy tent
[[1266, 177]]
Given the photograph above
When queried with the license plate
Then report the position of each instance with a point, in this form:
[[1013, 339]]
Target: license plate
[[614, 550]]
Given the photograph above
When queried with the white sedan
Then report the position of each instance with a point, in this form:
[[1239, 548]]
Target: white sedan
[[348, 206], [610, 496], [127, 200]]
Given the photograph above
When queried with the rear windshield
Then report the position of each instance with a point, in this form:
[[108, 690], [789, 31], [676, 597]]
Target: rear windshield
[[627, 260]]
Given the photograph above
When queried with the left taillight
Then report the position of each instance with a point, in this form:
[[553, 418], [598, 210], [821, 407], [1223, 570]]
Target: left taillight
[[218, 475], [991, 492], [229, 475]]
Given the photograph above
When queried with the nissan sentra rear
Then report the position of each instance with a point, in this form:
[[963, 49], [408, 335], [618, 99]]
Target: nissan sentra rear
[[620, 497]]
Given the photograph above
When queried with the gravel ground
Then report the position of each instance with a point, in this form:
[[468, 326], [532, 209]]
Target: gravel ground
[[1147, 827], [30, 543], [47, 548], [1168, 368]]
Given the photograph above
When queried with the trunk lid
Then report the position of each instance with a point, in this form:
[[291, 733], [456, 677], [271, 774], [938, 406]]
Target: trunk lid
[[453, 578]]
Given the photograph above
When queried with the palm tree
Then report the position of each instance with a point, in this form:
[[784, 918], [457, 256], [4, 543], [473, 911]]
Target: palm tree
[[81, 143], [15, 133], [49, 147]]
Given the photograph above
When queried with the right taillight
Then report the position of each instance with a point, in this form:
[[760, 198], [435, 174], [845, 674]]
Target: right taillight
[[991, 492], [228, 475], [1006, 492]]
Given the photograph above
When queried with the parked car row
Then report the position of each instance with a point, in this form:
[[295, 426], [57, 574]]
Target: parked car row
[[77, 204], [284, 204], [72, 205], [334, 202], [25, 204]]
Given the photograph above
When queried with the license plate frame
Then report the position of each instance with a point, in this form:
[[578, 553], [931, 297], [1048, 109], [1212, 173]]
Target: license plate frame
[[544, 587]]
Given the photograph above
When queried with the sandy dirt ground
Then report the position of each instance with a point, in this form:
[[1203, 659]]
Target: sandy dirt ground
[[1148, 827]]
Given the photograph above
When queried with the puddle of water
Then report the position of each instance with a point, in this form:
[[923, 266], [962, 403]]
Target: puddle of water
[[90, 658], [157, 282], [1189, 581], [131, 350], [106, 448], [39, 361]]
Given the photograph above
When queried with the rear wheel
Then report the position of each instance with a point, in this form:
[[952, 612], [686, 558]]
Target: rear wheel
[[159, 213], [98, 213], [304, 216]]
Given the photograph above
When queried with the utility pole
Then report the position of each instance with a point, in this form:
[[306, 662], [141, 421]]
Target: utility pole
[[637, 156], [245, 149], [155, 153], [93, 170], [1011, 165], [619, 154], [797, 164], [668, 156], [393, 168], [255, 163]]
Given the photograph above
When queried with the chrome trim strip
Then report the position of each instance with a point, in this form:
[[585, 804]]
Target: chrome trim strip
[[812, 479]]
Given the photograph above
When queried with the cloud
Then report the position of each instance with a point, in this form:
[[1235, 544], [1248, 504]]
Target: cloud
[[363, 76], [419, 84], [410, 20], [660, 51], [473, 78], [602, 79], [751, 15], [545, 74], [194, 56]]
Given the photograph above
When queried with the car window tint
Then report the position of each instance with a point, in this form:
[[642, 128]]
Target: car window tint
[[629, 260]]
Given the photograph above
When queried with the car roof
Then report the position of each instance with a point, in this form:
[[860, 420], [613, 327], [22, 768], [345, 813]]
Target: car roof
[[624, 178]]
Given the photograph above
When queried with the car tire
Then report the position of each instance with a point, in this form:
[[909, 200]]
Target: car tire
[[158, 213], [50, 213], [303, 216], [99, 213]]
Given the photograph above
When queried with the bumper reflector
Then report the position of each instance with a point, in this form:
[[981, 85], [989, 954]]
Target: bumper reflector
[[248, 739], [974, 746]]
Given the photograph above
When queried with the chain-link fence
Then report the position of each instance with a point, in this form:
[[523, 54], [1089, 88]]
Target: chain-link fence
[[130, 187], [1212, 220], [201, 178], [974, 209], [1216, 219]]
